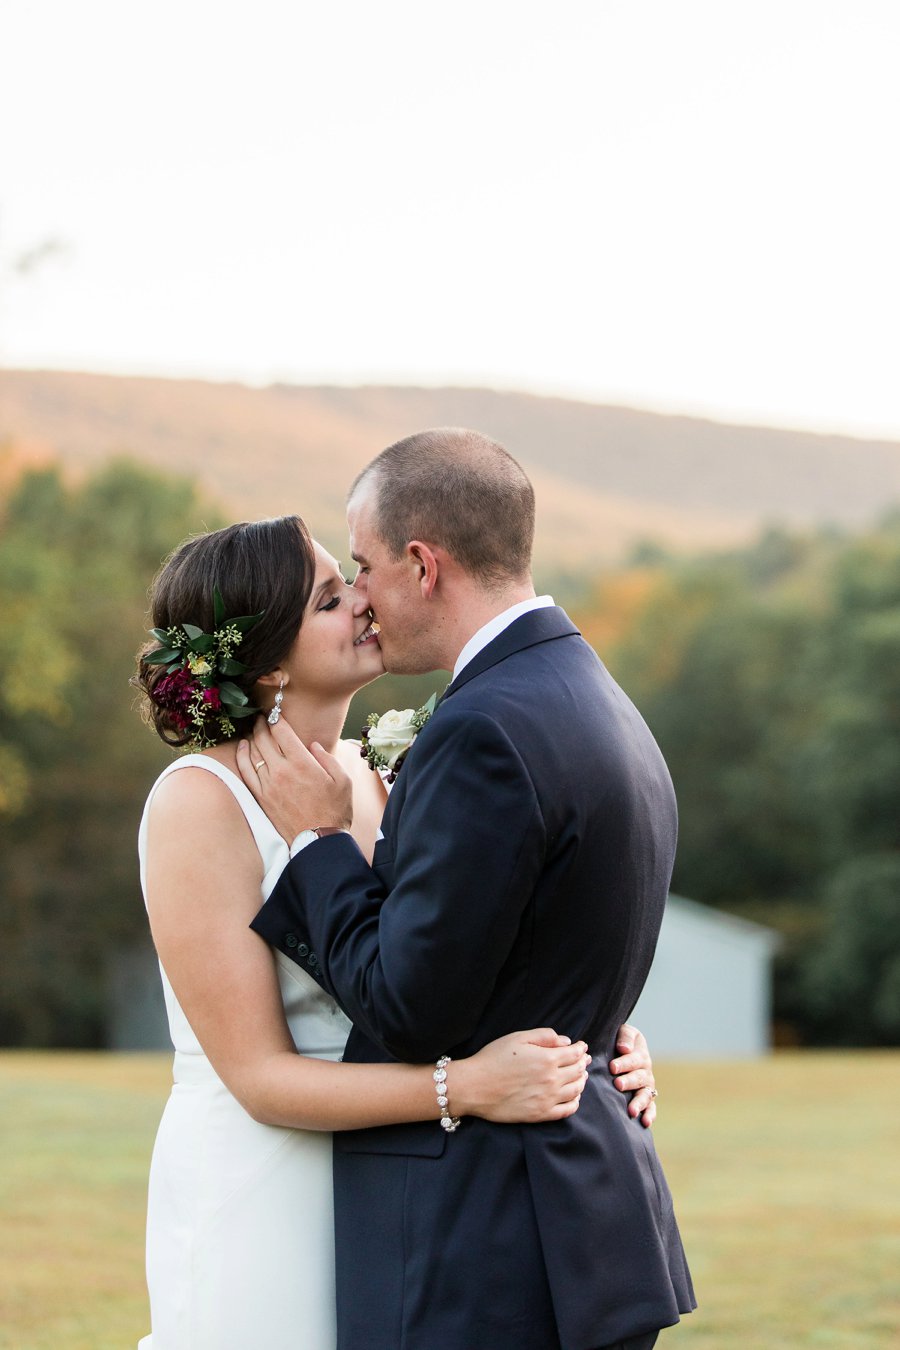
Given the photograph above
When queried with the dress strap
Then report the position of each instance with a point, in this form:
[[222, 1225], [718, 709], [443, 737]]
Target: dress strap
[[245, 798], [273, 849]]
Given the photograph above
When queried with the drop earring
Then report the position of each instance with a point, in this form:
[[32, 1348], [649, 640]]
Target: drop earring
[[274, 715]]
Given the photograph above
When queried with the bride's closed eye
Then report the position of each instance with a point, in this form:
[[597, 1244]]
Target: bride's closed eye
[[340, 585]]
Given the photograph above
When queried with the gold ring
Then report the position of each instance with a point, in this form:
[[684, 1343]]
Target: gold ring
[[260, 765]]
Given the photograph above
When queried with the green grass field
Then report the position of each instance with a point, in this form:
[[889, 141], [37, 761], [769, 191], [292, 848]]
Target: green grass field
[[786, 1177]]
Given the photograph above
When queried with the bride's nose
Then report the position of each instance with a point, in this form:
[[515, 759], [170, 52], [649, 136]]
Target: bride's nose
[[359, 602]]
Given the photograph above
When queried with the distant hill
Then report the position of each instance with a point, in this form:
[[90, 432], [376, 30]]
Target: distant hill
[[606, 477]]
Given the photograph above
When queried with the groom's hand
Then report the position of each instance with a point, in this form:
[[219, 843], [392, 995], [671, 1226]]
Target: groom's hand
[[298, 789]]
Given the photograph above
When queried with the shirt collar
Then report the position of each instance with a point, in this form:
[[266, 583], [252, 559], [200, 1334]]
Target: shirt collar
[[494, 627]]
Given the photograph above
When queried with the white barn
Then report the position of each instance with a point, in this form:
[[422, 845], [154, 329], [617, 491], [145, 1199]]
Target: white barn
[[709, 992]]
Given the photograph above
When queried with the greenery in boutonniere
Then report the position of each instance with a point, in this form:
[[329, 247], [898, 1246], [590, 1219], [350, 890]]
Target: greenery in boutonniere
[[195, 689], [386, 739]]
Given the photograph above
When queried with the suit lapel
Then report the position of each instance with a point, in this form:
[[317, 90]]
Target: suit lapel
[[538, 625]]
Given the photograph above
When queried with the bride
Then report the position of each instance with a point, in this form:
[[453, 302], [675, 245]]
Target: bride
[[240, 1222]]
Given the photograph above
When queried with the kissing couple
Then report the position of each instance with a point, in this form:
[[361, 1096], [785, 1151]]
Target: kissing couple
[[493, 1188]]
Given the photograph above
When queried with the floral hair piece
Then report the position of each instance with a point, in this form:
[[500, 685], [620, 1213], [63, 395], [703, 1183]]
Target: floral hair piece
[[194, 690], [386, 739]]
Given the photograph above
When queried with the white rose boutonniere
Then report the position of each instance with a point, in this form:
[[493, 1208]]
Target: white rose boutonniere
[[386, 739]]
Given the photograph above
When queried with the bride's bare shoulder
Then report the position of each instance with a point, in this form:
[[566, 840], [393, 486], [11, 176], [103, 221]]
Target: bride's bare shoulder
[[193, 795], [199, 846]]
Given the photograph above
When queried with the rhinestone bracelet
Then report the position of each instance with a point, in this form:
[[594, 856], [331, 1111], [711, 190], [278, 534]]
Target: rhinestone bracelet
[[448, 1122]]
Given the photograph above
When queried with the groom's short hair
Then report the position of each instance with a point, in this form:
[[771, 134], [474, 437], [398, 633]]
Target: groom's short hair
[[460, 490]]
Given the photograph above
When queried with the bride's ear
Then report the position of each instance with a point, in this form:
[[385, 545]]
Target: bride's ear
[[275, 678]]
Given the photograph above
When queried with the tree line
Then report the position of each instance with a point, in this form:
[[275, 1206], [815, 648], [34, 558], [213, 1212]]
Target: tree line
[[770, 676]]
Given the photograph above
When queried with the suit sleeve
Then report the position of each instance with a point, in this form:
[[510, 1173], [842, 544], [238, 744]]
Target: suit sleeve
[[413, 961]]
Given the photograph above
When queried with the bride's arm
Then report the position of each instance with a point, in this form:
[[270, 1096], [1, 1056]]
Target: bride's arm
[[203, 883]]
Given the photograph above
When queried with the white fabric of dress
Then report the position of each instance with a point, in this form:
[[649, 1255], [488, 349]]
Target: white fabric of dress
[[240, 1223]]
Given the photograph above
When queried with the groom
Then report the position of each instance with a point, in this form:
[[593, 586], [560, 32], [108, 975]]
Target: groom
[[521, 878]]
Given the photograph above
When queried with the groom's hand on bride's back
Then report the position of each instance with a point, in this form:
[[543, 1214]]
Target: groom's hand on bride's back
[[298, 789]]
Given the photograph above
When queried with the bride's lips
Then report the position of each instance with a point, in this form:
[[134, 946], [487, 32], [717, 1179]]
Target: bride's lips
[[368, 636]]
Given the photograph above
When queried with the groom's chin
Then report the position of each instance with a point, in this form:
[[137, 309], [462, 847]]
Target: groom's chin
[[406, 657], [404, 663], [401, 666]]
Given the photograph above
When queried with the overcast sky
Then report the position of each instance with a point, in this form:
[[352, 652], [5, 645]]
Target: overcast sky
[[689, 206]]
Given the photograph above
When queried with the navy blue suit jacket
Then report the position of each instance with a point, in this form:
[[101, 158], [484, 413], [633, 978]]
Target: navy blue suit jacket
[[527, 852]]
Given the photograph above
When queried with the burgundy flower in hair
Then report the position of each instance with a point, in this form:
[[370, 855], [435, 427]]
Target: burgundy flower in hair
[[174, 691], [196, 690]]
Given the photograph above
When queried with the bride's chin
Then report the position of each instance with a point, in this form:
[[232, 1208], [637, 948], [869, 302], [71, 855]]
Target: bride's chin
[[375, 670], [373, 659], [368, 679]]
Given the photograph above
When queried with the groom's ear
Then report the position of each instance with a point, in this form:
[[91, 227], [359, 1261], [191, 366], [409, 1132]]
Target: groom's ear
[[426, 564]]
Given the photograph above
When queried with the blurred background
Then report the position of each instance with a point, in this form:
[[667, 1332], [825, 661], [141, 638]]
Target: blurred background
[[653, 250]]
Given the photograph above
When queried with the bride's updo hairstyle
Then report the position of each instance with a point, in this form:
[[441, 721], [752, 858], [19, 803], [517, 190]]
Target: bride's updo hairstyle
[[264, 567]]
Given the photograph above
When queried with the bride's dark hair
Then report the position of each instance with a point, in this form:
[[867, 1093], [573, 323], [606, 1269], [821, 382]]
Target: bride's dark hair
[[269, 566]]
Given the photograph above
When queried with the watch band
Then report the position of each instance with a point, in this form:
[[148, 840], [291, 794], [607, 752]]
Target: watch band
[[307, 837]]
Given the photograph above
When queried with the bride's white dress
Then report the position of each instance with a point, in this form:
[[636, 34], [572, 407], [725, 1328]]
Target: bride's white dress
[[240, 1229]]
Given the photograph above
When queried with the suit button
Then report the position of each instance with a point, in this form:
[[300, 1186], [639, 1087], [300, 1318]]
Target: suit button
[[290, 939], [312, 959], [303, 950]]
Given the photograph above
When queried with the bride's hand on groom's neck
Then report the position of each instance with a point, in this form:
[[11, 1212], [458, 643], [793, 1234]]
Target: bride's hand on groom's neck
[[298, 789]]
